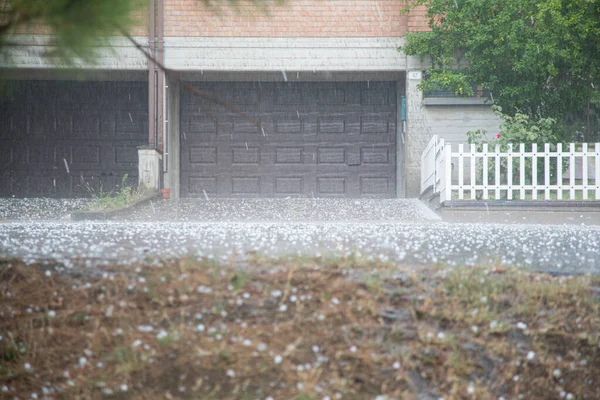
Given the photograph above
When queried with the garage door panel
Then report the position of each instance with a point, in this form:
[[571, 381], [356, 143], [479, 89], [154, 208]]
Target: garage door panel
[[65, 135], [85, 155], [6, 182], [202, 127], [20, 154], [375, 186], [325, 139], [244, 157], [81, 125], [293, 183]]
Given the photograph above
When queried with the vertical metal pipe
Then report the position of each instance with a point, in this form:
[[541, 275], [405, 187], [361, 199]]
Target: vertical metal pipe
[[151, 75], [160, 85]]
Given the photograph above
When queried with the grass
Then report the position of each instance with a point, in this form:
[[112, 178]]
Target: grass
[[297, 328], [121, 197]]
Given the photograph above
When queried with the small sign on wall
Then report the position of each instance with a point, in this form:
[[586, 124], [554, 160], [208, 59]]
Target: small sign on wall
[[416, 75]]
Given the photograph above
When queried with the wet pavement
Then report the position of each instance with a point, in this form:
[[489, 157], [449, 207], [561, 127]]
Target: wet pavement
[[302, 210], [12, 208], [403, 231]]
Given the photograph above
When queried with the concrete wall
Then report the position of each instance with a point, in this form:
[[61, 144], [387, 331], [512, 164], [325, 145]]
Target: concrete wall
[[451, 119], [290, 54], [115, 53]]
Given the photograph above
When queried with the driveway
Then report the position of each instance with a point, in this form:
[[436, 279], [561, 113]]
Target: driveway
[[402, 231]]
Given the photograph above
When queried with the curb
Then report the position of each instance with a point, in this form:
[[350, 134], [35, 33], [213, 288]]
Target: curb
[[104, 215], [427, 210], [520, 205]]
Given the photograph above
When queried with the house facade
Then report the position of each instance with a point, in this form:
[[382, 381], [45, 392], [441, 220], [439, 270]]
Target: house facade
[[308, 99]]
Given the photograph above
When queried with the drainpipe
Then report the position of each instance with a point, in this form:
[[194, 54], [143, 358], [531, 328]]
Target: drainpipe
[[160, 75], [151, 75], [149, 169]]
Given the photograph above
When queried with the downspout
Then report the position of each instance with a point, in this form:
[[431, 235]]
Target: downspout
[[151, 75], [160, 75]]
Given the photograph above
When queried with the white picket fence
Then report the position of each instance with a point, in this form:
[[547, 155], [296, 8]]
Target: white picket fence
[[459, 172]]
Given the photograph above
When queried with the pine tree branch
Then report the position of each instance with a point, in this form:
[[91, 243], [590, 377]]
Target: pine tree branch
[[176, 75]]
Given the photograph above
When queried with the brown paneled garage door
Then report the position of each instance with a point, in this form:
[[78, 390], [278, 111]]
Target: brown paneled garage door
[[65, 138], [321, 139]]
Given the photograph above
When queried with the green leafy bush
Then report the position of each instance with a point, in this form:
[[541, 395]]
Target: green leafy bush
[[107, 200], [447, 81], [515, 130]]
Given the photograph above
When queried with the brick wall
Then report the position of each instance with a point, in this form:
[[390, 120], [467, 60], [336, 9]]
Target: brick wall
[[295, 18], [140, 27], [417, 20]]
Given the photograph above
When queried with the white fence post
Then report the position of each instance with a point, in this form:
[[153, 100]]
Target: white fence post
[[547, 171], [572, 171], [428, 165], [439, 167], [461, 171], [509, 173], [473, 180], [584, 172], [559, 168], [486, 181], [448, 171], [597, 170], [534, 171], [522, 171], [497, 173]]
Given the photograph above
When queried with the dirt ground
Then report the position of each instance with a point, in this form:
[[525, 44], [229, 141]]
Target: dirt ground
[[296, 328]]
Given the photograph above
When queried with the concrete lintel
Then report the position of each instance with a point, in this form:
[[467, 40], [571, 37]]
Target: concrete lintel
[[456, 101], [276, 54], [112, 53], [293, 76], [36, 74]]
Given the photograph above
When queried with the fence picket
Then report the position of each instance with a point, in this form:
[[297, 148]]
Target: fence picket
[[497, 174], [448, 171], [522, 170], [547, 171], [534, 171], [439, 165], [597, 170], [509, 174], [584, 172], [572, 171], [473, 182], [461, 171], [485, 171], [559, 176]]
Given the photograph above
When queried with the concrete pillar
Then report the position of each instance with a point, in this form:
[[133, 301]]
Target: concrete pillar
[[172, 176], [149, 169], [400, 143], [418, 132]]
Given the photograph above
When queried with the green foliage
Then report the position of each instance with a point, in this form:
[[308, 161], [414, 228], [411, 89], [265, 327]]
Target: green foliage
[[537, 57], [520, 128], [76, 25], [515, 130], [124, 195], [447, 81]]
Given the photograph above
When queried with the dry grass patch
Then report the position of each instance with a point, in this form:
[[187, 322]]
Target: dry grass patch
[[296, 329]]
